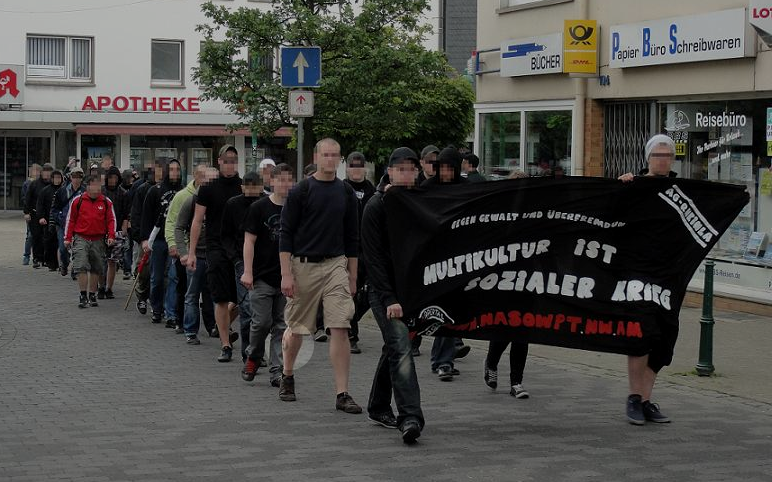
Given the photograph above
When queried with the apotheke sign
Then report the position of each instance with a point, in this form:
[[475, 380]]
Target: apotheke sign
[[694, 38], [123, 103], [532, 56]]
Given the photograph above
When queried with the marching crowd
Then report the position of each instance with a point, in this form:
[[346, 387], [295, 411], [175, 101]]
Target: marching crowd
[[280, 258]]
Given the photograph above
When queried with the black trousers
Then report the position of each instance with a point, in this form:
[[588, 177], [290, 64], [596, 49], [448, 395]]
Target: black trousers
[[36, 233], [517, 356], [50, 247]]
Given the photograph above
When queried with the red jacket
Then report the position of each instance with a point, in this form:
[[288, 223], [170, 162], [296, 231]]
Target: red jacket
[[90, 219]]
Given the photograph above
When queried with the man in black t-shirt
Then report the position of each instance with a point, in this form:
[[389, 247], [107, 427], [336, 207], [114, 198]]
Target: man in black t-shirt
[[318, 250], [221, 277], [262, 275]]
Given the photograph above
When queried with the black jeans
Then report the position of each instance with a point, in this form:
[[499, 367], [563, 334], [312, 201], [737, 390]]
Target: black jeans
[[395, 372], [517, 356], [361, 305]]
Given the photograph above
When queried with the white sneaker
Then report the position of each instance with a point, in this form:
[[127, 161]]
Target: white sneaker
[[518, 391]]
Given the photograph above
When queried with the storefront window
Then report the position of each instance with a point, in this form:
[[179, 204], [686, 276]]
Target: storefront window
[[728, 142], [255, 150], [548, 135], [500, 143], [189, 150], [18, 151], [92, 148]]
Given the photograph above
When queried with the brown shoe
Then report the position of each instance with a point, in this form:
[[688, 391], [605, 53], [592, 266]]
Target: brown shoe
[[347, 404], [287, 389]]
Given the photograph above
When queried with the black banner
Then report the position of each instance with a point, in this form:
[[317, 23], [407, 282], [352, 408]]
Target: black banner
[[586, 263]]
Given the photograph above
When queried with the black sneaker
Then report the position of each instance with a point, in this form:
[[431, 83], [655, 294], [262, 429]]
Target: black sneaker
[[320, 336], [192, 340], [233, 336], [179, 330], [249, 371], [462, 351], [345, 403], [83, 301], [445, 374], [491, 378], [156, 318], [63, 270], [101, 293], [142, 307], [171, 323], [287, 389], [263, 363], [652, 414], [214, 333], [518, 391], [384, 420], [415, 351], [635, 410], [36, 264], [126, 275], [276, 382], [226, 355], [109, 295], [92, 300], [410, 431], [355, 348]]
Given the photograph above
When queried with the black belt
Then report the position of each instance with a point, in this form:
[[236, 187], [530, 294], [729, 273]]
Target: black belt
[[314, 259]]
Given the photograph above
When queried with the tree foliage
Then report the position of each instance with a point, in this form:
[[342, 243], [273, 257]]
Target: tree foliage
[[380, 87]]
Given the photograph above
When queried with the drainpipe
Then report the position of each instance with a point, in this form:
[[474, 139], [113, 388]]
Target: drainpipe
[[580, 98]]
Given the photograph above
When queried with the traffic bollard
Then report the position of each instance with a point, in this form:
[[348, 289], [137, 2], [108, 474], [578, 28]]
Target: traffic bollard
[[705, 363]]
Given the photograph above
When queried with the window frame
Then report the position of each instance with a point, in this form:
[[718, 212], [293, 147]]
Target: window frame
[[506, 7], [169, 83], [36, 76]]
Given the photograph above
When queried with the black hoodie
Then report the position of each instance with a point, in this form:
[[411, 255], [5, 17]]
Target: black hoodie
[[117, 195], [157, 202], [33, 191], [138, 201], [449, 157], [46, 198]]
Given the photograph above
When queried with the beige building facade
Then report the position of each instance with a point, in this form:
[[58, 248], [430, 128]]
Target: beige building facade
[[698, 71]]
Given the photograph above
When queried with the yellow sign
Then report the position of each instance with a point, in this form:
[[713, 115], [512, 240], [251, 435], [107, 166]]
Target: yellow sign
[[765, 186], [680, 149], [580, 46]]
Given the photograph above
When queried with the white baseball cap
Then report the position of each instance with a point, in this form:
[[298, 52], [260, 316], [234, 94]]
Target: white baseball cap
[[266, 162]]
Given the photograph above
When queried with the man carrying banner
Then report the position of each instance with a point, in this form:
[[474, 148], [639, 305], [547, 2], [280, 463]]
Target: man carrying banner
[[642, 370], [396, 368], [447, 169]]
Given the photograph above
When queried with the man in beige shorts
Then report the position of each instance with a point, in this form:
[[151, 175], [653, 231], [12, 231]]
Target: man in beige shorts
[[318, 248]]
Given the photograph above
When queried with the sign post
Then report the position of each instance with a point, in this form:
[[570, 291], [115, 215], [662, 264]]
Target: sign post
[[301, 67]]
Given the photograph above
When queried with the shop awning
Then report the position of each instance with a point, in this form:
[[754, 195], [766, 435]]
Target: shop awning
[[167, 130]]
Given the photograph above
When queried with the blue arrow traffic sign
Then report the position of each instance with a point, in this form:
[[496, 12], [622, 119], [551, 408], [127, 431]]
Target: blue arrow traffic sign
[[301, 66]]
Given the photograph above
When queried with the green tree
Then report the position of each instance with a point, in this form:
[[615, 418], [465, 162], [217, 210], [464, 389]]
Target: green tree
[[380, 87]]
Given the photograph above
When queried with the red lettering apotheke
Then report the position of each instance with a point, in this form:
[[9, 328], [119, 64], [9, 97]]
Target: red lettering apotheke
[[123, 103], [764, 12]]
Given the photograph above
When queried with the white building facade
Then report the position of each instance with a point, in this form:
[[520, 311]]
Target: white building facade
[[111, 77]]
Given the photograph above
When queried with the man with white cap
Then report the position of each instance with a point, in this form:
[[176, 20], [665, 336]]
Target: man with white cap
[[642, 370], [266, 168]]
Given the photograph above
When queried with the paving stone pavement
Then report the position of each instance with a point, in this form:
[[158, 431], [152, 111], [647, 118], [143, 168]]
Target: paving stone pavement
[[103, 395]]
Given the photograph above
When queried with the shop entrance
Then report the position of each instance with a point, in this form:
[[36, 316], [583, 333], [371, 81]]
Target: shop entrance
[[18, 151]]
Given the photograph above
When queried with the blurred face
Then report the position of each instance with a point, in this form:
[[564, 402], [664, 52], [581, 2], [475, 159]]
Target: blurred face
[[158, 172], [661, 160], [403, 174], [266, 175], [57, 180], [107, 162], [427, 164], [113, 181], [45, 174], [211, 175], [252, 190], [34, 172], [175, 172], [356, 173], [199, 174], [327, 158], [94, 188], [229, 163], [76, 180], [282, 183], [465, 166], [446, 173]]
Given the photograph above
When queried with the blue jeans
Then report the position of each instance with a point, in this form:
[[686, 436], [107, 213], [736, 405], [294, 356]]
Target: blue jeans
[[395, 372], [197, 288], [443, 351], [64, 254], [27, 243], [267, 317], [245, 309], [163, 299]]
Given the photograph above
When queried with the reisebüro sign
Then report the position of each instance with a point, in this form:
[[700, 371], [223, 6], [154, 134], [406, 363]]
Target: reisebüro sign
[[693, 38]]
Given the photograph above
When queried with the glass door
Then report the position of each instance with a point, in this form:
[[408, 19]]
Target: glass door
[[18, 153]]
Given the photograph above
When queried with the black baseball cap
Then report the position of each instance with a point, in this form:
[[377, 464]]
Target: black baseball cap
[[428, 150], [356, 159], [402, 153]]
